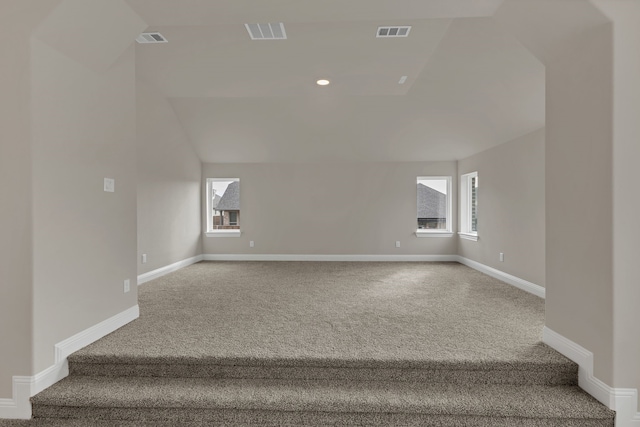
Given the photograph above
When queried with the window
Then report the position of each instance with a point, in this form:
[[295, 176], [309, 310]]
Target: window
[[434, 206], [223, 206], [469, 206], [233, 218]]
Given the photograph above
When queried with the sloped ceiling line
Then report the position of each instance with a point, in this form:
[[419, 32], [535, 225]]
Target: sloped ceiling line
[[93, 33]]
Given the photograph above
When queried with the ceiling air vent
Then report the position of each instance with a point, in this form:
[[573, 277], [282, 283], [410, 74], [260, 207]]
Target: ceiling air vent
[[151, 38], [393, 31], [273, 31]]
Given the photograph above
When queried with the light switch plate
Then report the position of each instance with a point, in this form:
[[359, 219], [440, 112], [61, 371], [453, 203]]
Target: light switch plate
[[109, 185]]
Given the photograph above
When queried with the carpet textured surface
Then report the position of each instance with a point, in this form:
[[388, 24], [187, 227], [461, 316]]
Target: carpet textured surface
[[337, 314], [331, 343], [134, 394]]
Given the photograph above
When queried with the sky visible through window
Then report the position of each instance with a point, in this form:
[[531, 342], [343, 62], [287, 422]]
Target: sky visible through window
[[220, 186]]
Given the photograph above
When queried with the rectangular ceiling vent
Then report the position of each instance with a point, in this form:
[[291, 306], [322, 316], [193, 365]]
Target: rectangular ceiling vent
[[273, 31], [151, 38], [393, 31]]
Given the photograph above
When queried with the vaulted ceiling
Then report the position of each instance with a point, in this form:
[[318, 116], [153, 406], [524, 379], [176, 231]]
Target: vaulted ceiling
[[470, 84]]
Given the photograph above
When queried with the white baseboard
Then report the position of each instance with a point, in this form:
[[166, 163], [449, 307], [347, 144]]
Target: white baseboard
[[505, 277], [154, 274], [94, 333], [338, 257], [622, 400], [19, 407]]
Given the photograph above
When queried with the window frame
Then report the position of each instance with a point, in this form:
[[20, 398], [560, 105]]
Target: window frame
[[466, 206], [210, 232], [448, 232]]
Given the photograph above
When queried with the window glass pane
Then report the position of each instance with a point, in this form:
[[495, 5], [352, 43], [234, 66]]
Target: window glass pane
[[474, 203], [469, 203], [233, 218], [224, 203], [432, 203]]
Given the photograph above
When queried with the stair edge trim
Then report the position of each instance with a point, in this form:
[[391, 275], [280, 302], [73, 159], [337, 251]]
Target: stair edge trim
[[622, 400]]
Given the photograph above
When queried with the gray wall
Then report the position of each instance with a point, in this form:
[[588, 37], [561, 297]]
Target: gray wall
[[16, 24], [169, 175], [626, 204], [83, 119], [577, 53], [579, 197], [511, 208], [336, 208]]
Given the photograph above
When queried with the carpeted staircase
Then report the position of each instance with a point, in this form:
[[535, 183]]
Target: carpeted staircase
[[286, 343], [144, 391]]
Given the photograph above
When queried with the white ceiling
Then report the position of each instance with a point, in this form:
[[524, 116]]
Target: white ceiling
[[470, 84]]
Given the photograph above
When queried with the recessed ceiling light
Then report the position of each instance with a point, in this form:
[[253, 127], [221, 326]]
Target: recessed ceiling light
[[323, 82]]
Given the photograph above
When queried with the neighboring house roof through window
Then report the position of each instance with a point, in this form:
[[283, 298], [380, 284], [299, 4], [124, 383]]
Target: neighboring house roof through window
[[431, 203], [230, 200]]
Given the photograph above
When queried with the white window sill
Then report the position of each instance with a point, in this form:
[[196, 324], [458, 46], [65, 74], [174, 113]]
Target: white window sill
[[224, 233], [469, 236], [434, 233]]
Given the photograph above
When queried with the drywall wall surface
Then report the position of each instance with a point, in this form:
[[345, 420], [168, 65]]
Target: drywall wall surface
[[330, 208], [548, 28], [17, 20], [626, 204], [85, 31], [15, 208], [579, 197], [511, 207], [83, 130], [169, 176], [576, 49]]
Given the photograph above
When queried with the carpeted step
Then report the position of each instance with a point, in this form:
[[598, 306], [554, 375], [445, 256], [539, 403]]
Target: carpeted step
[[82, 422], [559, 371], [301, 402]]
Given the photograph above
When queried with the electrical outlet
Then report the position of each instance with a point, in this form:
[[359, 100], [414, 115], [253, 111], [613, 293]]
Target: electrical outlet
[[144, 258], [501, 257], [127, 285], [251, 243], [109, 185], [397, 243]]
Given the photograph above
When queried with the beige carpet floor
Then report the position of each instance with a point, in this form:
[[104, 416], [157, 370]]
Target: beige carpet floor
[[335, 312], [331, 343]]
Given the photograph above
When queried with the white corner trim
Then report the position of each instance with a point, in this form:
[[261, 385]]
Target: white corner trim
[[339, 257], [468, 236], [622, 400], [532, 288], [159, 272], [19, 407]]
